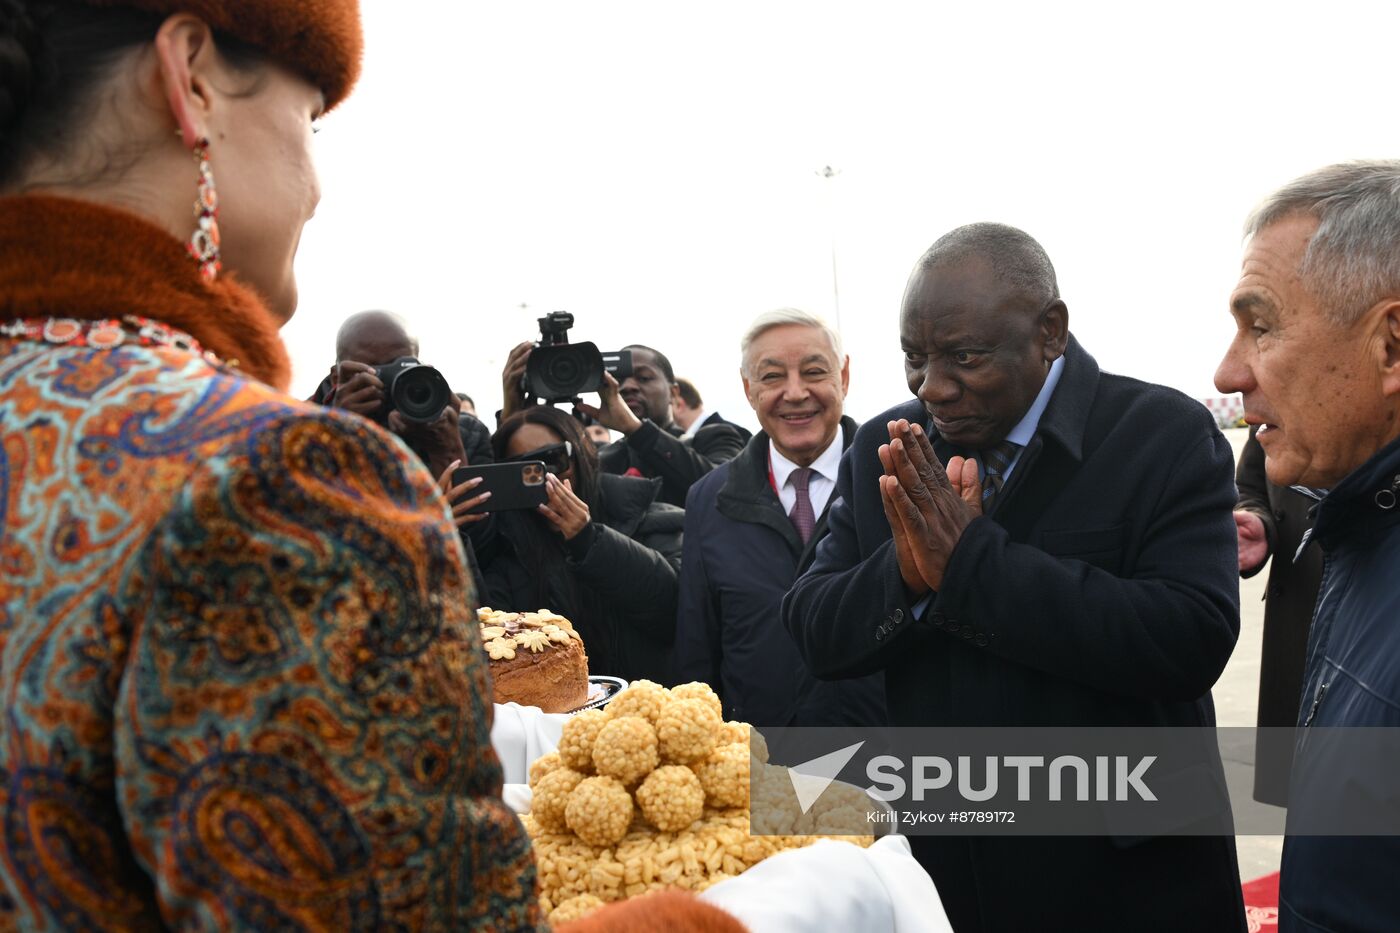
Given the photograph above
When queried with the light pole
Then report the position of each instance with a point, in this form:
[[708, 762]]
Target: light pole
[[830, 174]]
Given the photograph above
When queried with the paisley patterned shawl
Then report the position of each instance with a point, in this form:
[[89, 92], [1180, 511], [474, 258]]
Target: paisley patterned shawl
[[242, 687]]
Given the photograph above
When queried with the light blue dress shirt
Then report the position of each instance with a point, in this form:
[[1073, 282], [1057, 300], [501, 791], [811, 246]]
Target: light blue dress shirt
[[1025, 428], [1021, 436]]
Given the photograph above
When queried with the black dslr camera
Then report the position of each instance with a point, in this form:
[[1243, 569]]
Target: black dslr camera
[[419, 393], [560, 371]]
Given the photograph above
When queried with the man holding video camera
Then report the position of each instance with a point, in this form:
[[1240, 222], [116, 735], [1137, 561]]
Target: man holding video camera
[[635, 403]]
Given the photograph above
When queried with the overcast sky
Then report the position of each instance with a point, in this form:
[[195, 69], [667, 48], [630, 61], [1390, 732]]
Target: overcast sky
[[652, 167]]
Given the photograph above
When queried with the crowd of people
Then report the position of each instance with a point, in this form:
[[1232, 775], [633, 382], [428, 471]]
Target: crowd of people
[[243, 685]]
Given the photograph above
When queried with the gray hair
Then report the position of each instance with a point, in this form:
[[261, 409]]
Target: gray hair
[[1015, 256], [779, 318], [1353, 260]]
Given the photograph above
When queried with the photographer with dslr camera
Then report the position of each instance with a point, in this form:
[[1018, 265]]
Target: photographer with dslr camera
[[634, 388], [377, 375]]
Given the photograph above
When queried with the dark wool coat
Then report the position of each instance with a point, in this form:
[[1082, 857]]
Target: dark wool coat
[[741, 555], [1290, 598], [1103, 591]]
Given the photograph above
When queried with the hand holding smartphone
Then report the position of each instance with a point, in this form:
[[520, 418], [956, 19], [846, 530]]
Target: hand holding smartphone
[[513, 485]]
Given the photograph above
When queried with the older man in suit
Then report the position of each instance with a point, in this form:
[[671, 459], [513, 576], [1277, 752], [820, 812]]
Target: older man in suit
[[1074, 565], [752, 525]]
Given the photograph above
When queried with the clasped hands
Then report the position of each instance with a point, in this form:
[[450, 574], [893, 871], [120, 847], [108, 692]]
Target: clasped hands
[[927, 507]]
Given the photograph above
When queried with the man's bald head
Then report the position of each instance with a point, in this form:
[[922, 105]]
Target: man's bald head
[[981, 325], [1013, 255], [374, 338]]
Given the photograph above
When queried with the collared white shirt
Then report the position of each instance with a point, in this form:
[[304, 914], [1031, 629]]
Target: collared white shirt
[[822, 482], [700, 418]]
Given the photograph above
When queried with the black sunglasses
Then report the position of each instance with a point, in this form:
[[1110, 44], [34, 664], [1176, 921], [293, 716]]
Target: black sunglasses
[[556, 457]]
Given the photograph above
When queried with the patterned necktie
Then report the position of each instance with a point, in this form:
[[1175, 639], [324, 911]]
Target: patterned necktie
[[802, 516], [995, 462]]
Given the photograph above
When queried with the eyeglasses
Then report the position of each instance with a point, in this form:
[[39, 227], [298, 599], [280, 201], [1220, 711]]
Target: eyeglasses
[[557, 458]]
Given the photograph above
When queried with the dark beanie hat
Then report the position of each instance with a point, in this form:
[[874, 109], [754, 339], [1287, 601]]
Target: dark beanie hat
[[322, 39]]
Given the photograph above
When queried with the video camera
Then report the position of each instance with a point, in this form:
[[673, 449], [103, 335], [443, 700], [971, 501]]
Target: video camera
[[559, 371], [417, 392]]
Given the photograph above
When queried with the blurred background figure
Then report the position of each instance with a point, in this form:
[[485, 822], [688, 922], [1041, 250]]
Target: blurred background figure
[[690, 413], [604, 551], [1271, 522], [686, 406], [599, 435]]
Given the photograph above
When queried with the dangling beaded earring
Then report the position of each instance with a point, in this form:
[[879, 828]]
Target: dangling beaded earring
[[204, 244]]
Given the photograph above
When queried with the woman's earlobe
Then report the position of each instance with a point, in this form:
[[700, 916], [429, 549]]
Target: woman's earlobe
[[182, 44]]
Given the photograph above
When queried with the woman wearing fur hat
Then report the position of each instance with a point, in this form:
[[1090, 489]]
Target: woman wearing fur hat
[[242, 685]]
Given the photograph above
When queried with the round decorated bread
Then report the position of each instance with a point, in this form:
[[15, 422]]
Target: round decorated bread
[[537, 659]]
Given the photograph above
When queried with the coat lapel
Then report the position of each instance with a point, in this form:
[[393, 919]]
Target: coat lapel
[[1051, 457], [747, 496], [1055, 451]]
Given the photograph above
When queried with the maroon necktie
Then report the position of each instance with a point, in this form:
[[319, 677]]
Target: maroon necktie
[[802, 516]]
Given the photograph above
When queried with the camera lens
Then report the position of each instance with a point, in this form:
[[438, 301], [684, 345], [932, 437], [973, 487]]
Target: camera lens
[[420, 393], [563, 371], [560, 373]]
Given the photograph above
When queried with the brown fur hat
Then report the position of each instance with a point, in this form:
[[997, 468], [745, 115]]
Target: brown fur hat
[[322, 39]]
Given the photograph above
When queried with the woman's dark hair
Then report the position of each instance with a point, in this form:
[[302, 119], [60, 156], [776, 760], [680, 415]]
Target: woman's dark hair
[[54, 55], [586, 467]]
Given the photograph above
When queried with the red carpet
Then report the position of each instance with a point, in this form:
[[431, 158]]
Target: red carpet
[[1261, 904]]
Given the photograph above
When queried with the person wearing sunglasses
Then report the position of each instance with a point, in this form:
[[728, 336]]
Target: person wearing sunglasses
[[603, 551]]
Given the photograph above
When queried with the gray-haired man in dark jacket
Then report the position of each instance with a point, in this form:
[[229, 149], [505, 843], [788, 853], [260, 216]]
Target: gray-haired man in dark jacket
[[1316, 355], [751, 527]]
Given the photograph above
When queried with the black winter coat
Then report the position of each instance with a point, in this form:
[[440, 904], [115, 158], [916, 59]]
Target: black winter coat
[[616, 581], [657, 452], [1103, 590], [717, 418], [741, 555], [476, 439], [1290, 598]]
